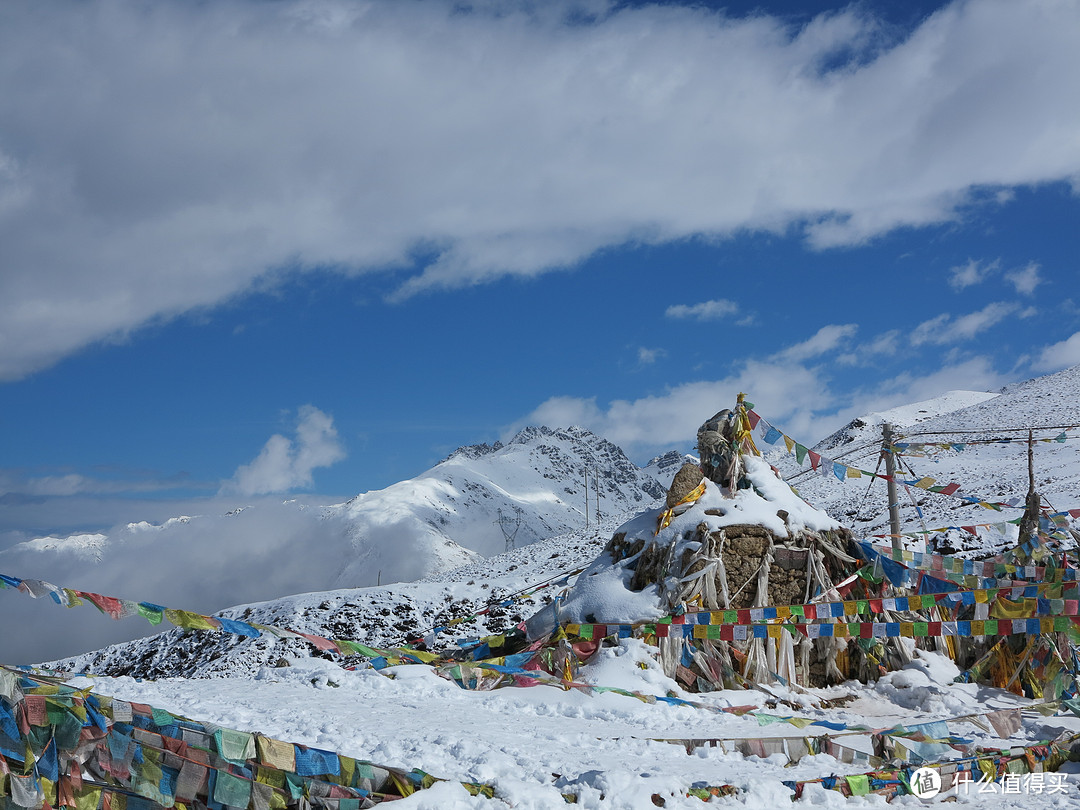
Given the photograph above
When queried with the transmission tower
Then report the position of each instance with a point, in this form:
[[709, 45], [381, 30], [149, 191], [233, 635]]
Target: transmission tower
[[505, 523]]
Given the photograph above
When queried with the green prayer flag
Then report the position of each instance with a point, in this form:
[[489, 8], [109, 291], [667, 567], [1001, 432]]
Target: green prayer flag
[[858, 784], [150, 614], [232, 790], [161, 717]]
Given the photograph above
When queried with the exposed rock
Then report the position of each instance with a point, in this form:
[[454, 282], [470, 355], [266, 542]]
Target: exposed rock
[[686, 480]]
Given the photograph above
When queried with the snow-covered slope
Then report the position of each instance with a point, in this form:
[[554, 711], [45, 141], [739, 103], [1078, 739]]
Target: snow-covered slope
[[1049, 406]]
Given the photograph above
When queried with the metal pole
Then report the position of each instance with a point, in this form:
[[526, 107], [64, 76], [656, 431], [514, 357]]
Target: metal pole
[[890, 471]]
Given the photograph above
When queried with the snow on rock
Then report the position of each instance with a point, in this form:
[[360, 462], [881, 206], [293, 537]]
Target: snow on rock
[[602, 593]]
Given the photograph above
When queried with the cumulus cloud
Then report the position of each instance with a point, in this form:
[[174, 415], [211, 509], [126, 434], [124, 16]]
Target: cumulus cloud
[[703, 311], [799, 398], [285, 464], [672, 418], [1060, 355], [1026, 279], [156, 158]]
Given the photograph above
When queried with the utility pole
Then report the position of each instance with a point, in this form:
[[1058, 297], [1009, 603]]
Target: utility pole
[[508, 536], [586, 497], [596, 480], [890, 471]]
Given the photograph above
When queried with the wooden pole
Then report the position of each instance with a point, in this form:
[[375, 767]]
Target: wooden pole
[[1029, 523], [890, 471]]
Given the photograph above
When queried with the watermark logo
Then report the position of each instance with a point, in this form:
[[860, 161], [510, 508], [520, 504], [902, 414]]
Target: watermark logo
[[926, 783]]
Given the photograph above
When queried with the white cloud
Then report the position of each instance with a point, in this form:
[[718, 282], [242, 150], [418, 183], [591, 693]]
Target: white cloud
[[826, 339], [885, 343], [703, 311], [1026, 279], [1060, 355], [649, 356], [203, 563], [972, 374], [973, 272], [190, 149], [800, 400], [285, 464], [944, 329], [672, 419]]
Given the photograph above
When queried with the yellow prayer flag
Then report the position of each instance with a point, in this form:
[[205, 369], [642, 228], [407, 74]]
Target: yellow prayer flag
[[907, 629], [925, 483], [276, 753], [773, 630], [1007, 609], [48, 787], [783, 611], [854, 473]]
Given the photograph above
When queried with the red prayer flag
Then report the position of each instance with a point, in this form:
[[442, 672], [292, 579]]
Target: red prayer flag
[[106, 604], [320, 642]]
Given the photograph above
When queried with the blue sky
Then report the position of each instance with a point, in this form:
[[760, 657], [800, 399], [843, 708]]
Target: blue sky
[[255, 249]]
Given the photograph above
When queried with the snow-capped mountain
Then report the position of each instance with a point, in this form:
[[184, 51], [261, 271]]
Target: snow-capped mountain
[[536, 485]]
